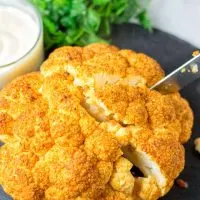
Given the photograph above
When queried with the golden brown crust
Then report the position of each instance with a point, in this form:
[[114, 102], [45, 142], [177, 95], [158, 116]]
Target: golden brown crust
[[60, 58], [146, 188], [18, 180], [94, 49], [20, 93], [144, 66], [6, 124], [73, 56], [185, 115], [125, 103], [67, 127], [171, 162]]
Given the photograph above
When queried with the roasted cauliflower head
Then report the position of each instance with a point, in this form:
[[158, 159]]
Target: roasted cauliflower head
[[83, 127]]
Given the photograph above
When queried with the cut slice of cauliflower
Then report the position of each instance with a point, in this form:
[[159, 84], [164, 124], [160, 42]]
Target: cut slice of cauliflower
[[125, 104], [144, 151]]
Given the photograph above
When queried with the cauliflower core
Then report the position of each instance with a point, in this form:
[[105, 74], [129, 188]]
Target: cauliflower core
[[76, 129]]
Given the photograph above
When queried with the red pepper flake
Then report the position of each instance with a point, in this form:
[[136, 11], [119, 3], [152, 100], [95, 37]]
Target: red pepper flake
[[181, 183]]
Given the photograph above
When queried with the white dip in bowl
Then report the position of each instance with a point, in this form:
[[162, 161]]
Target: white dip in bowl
[[21, 39]]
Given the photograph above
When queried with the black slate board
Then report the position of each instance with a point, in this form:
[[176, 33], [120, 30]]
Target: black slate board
[[170, 52]]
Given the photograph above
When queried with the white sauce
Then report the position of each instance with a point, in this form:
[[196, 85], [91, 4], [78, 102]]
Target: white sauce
[[21, 40], [18, 34]]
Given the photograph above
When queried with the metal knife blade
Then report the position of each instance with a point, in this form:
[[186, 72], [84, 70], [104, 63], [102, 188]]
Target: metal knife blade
[[179, 78]]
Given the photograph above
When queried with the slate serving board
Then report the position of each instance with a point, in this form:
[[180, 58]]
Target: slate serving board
[[170, 52]]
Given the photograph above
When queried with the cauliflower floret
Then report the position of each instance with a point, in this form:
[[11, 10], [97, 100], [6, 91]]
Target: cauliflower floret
[[6, 127], [60, 59], [15, 99], [144, 66], [71, 172], [122, 179], [33, 128], [162, 115], [184, 115], [16, 164], [94, 49], [146, 188], [75, 130], [147, 157], [64, 57], [125, 103], [107, 152], [102, 68]]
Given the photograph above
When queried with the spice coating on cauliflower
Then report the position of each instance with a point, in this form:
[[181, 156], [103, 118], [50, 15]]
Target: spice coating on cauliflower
[[77, 128]]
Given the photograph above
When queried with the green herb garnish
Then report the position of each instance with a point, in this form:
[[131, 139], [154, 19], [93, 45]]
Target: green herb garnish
[[80, 22]]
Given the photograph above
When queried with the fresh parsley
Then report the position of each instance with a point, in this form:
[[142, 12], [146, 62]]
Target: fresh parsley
[[80, 22]]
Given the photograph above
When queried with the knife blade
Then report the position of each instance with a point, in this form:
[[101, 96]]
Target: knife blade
[[179, 78]]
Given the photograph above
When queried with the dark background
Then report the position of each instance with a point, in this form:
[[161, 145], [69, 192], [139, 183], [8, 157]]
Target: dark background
[[170, 52]]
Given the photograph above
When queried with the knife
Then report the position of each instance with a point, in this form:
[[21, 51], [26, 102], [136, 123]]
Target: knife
[[179, 78]]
